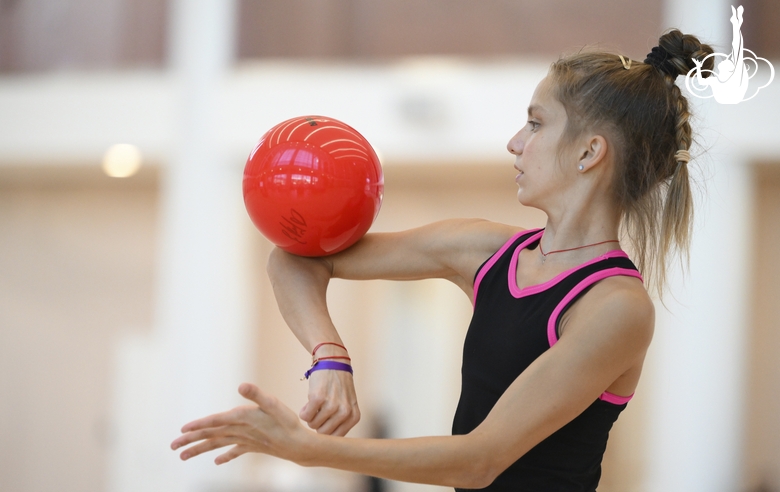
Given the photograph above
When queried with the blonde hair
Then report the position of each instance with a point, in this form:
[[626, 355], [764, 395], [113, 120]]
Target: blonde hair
[[646, 119]]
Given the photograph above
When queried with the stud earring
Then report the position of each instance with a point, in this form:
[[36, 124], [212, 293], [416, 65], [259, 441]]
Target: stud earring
[[581, 167]]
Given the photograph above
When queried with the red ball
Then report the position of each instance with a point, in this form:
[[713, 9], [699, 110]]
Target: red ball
[[313, 185]]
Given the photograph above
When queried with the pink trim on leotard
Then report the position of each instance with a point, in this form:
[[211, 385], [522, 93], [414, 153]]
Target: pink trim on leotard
[[517, 292], [615, 399], [493, 259], [552, 333]]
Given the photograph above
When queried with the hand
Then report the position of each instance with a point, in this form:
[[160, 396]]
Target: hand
[[332, 407], [269, 427]]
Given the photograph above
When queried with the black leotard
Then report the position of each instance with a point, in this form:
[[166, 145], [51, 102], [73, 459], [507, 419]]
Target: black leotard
[[509, 329]]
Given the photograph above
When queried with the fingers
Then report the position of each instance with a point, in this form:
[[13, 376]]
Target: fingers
[[337, 425], [265, 401], [209, 433], [327, 410], [267, 404], [206, 446], [332, 407], [339, 422], [217, 420], [342, 429], [268, 427], [234, 453], [309, 411]]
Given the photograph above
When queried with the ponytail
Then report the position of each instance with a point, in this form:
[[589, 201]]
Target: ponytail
[[646, 119]]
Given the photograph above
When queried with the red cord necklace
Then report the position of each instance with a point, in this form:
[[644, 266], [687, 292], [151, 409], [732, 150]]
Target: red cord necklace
[[544, 255]]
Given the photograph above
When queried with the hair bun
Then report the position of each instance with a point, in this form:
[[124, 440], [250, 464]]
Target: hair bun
[[676, 51], [661, 60]]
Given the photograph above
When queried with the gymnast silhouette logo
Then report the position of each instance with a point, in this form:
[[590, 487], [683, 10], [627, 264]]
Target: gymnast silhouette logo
[[730, 84]]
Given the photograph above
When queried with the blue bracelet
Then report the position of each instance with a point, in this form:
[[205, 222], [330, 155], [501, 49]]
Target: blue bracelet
[[328, 364]]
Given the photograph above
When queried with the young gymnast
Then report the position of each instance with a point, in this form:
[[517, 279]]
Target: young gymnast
[[562, 319]]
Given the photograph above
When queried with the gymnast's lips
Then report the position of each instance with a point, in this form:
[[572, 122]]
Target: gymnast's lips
[[520, 175]]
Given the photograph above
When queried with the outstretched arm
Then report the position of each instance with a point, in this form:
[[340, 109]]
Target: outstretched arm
[[606, 340], [271, 428], [451, 249]]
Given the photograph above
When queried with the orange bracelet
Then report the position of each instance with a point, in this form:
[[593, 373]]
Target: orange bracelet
[[327, 343]]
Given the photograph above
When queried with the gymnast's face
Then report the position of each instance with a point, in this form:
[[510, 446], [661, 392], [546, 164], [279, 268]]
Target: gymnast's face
[[541, 179]]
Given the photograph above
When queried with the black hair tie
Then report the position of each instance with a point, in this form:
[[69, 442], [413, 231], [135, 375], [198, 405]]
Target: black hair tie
[[659, 58]]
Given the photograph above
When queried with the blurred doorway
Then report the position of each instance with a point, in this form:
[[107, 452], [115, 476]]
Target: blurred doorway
[[76, 272], [762, 433]]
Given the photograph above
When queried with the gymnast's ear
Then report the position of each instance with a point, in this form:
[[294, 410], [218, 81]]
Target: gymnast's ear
[[591, 152]]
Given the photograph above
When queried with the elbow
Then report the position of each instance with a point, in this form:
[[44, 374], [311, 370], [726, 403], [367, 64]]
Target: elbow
[[282, 265], [274, 267], [480, 474], [274, 262], [485, 460], [478, 480], [482, 462], [488, 475]]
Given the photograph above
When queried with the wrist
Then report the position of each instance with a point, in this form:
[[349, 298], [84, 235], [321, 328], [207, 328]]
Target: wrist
[[308, 448], [328, 365], [329, 356], [345, 359], [328, 349]]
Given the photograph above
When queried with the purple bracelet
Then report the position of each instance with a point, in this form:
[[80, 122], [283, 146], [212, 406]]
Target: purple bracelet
[[328, 364]]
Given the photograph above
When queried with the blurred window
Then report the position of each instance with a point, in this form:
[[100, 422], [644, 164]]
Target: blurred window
[[392, 28], [37, 35], [760, 29]]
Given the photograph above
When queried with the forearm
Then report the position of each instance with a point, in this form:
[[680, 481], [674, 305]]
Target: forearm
[[300, 286], [453, 461]]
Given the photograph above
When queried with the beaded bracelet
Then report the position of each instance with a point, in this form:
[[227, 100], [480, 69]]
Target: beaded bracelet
[[327, 364]]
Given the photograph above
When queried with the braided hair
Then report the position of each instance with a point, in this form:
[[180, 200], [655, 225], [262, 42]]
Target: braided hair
[[645, 117]]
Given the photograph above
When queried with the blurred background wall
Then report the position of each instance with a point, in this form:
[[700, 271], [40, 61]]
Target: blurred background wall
[[129, 306]]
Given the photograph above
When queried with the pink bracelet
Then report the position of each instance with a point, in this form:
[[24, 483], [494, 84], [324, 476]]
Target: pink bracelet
[[327, 343]]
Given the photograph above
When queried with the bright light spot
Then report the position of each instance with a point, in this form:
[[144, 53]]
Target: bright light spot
[[122, 160]]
